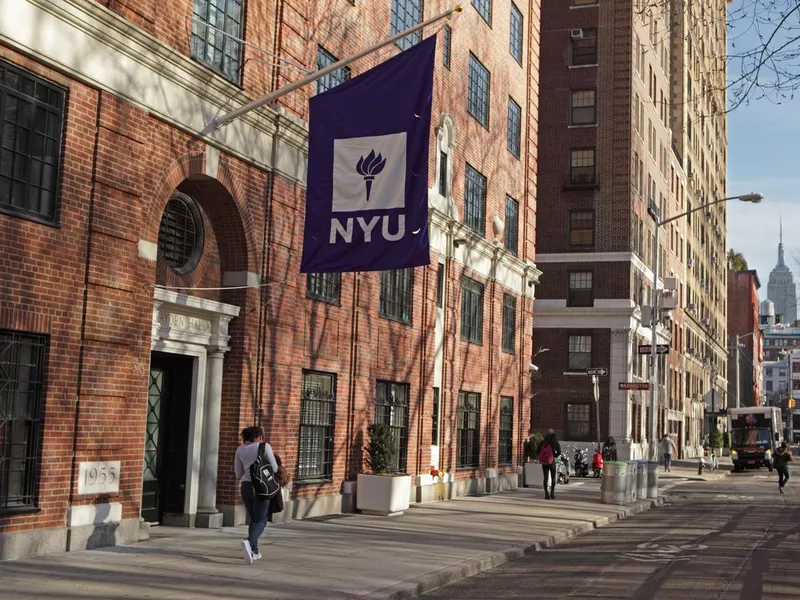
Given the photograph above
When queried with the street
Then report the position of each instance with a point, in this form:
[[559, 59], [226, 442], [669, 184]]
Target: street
[[731, 539]]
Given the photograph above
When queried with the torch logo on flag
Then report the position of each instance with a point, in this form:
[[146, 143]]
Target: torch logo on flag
[[369, 167]]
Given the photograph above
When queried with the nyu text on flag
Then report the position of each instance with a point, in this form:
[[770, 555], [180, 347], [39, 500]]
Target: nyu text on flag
[[367, 192]]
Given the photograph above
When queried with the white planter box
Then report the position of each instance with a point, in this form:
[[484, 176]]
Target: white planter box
[[383, 495], [534, 477]]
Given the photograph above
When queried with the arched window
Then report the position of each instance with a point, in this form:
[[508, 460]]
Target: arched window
[[180, 236]]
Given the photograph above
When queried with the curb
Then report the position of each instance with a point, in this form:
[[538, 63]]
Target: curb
[[472, 566]]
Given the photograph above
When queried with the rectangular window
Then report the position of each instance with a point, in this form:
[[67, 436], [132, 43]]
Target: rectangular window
[[391, 408], [397, 294], [579, 353], [447, 43], [509, 323], [469, 430], [22, 359], [217, 29], [581, 166], [471, 310], [317, 416], [511, 232], [581, 292], [478, 91], [325, 287], [584, 48], [406, 14], [484, 8], [30, 144], [440, 285], [514, 127], [443, 175], [475, 200], [505, 453], [583, 110], [581, 229], [579, 420], [435, 415], [331, 80], [515, 41]]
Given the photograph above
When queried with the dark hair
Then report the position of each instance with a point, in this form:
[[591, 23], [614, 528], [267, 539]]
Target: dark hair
[[251, 434], [610, 441]]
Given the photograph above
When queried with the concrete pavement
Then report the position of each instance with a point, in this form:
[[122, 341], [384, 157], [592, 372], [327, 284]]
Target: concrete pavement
[[350, 556]]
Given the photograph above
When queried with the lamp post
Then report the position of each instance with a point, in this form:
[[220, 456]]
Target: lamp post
[[754, 198]]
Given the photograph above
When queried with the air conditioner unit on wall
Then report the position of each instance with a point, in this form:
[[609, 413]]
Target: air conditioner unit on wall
[[576, 34]]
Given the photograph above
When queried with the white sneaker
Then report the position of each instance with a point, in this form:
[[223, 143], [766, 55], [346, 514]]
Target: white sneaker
[[257, 556], [247, 552]]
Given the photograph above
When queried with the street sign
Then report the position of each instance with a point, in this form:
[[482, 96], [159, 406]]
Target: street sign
[[634, 385], [648, 348], [601, 371]]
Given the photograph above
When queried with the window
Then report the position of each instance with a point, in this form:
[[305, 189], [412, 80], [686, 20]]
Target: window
[[217, 29], [769, 385], [515, 41], [21, 396], [475, 200], [581, 292], [440, 285], [406, 14], [579, 421], [30, 144], [325, 287], [514, 127], [317, 415], [580, 353], [471, 310], [505, 453], [584, 48], [435, 417], [443, 173], [581, 229], [512, 225], [484, 8], [469, 430], [180, 235], [331, 80], [447, 46], [478, 91], [396, 299], [581, 166], [509, 323], [391, 408], [583, 110]]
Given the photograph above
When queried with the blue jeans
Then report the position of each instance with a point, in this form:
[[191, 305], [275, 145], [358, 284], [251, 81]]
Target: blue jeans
[[258, 512], [783, 476], [667, 460]]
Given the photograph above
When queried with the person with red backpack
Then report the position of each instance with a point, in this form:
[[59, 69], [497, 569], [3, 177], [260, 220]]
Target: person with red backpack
[[549, 450]]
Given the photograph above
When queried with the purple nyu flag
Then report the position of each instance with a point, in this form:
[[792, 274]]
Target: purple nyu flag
[[367, 196]]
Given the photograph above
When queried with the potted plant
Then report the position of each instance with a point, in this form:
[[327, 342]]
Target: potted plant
[[533, 475], [383, 491], [726, 444], [715, 441]]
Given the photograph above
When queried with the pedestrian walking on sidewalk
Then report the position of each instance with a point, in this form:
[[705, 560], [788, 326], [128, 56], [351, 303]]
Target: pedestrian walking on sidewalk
[[667, 448], [781, 460], [257, 507], [548, 452], [610, 449]]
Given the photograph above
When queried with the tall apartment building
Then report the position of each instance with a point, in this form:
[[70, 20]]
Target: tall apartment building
[[745, 361], [631, 125], [152, 304]]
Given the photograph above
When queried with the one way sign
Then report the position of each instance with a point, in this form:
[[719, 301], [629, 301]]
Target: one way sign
[[601, 371]]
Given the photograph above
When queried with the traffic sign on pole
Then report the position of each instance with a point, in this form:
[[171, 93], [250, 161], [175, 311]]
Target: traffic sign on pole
[[660, 349], [599, 371]]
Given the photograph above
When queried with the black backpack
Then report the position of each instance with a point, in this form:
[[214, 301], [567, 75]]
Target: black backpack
[[262, 476]]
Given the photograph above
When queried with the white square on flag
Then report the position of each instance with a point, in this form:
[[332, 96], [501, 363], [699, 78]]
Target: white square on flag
[[374, 165]]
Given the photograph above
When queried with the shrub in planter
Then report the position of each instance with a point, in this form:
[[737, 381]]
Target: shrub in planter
[[382, 491], [715, 440], [381, 449], [726, 440]]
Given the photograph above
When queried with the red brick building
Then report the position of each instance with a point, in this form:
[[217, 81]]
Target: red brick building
[[743, 327], [152, 304]]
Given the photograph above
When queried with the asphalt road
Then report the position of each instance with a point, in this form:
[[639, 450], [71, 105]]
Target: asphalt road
[[731, 539]]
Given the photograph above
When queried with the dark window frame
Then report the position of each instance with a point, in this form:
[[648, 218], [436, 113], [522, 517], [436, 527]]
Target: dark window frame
[[396, 300], [484, 8], [511, 232], [583, 53], [571, 434], [412, 14], [440, 277], [444, 159], [468, 443], [514, 124], [334, 78], [475, 189], [447, 46], [174, 220], [582, 174], [473, 295], [436, 408], [509, 337], [479, 91], [385, 410], [505, 431], [573, 107], [516, 33], [324, 287], [230, 64], [319, 431], [573, 219], [580, 297], [572, 365]]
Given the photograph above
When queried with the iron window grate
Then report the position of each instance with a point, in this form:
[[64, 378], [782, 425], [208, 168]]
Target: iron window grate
[[396, 298], [317, 416], [31, 129], [217, 28], [512, 225], [516, 29], [325, 287], [447, 50], [469, 430], [406, 14], [475, 200], [180, 235], [472, 310], [514, 127], [391, 408], [484, 8], [509, 323], [505, 436], [334, 78], [478, 91], [22, 358]]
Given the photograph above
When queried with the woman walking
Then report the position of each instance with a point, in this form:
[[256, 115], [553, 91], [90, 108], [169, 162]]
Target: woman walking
[[782, 459], [549, 451]]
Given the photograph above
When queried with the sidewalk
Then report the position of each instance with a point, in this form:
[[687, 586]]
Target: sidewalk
[[345, 557]]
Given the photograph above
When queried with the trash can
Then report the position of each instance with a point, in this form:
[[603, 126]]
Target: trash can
[[614, 485], [652, 479], [641, 479], [630, 484]]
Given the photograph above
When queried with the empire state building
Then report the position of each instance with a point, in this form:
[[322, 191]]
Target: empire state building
[[781, 288]]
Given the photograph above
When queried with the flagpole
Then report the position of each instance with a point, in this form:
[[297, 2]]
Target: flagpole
[[223, 120]]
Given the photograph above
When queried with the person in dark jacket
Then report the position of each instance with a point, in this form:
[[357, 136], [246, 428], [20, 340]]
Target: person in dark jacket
[[610, 449], [781, 460], [549, 469]]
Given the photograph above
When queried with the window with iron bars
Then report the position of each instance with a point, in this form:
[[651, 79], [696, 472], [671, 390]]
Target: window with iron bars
[[217, 29], [512, 225], [334, 78], [472, 310], [397, 294], [469, 430], [514, 128], [509, 323], [447, 46], [478, 86], [505, 454], [317, 416], [22, 360], [406, 14], [391, 408], [475, 200], [325, 287]]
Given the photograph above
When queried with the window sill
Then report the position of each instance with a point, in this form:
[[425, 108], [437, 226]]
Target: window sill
[[22, 510], [573, 7], [311, 481], [576, 373], [11, 212], [409, 322], [470, 468], [581, 186], [469, 341], [582, 66], [324, 300], [583, 126]]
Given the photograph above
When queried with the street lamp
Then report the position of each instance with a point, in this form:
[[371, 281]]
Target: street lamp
[[754, 198]]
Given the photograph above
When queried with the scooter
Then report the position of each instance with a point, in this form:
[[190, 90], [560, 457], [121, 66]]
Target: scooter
[[581, 463], [562, 469], [597, 462]]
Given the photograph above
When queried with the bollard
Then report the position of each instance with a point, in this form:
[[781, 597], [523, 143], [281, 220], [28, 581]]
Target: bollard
[[641, 479], [613, 487], [652, 479]]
